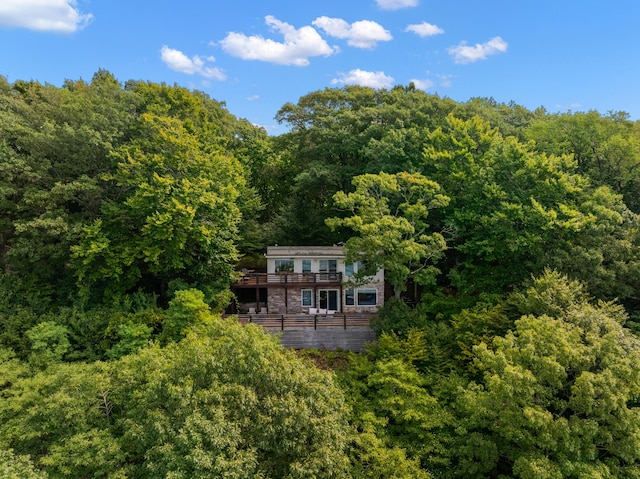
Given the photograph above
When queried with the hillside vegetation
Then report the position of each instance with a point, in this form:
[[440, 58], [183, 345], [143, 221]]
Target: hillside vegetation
[[511, 239]]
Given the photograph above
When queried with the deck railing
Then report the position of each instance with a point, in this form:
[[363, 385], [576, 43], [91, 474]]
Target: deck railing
[[257, 279], [315, 321]]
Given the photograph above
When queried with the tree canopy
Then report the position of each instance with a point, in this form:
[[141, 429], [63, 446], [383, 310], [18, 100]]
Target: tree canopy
[[510, 238], [225, 401], [388, 217]]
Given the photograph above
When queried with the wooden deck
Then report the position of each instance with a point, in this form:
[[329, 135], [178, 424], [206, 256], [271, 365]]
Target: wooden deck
[[348, 331]]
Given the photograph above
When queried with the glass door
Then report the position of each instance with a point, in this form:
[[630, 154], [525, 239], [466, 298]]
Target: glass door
[[328, 299]]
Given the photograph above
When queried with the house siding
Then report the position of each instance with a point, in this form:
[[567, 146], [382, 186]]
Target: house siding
[[289, 299]]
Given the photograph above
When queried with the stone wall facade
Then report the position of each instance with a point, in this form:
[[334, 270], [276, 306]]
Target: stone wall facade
[[277, 305]]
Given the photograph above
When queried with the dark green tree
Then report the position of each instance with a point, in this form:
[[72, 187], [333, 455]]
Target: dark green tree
[[514, 211], [606, 148], [54, 143], [177, 218], [337, 134]]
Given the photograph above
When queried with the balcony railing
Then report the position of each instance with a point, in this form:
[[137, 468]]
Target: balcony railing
[[302, 320], [267, 279]]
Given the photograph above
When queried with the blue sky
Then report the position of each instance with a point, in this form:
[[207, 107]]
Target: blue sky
[[257, 55]]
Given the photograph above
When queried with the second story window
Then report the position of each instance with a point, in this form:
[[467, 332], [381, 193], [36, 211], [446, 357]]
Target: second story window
[[349, 269], [306, 266], [284, 266], [352, 268], [328, 265]]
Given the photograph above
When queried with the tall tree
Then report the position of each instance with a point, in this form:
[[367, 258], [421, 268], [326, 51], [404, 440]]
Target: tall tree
[[54, 142], [337, 134], [388, 214], [226, 401], [558, 398], [177, 217], [606, 148], [515, 211]]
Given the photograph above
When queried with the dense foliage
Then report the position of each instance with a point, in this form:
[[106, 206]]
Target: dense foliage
[[225, 401], [510, 237]]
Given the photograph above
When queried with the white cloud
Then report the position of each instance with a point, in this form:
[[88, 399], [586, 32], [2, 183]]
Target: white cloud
[[571, 107], [299, 45], [59, 16], [464, 53], [253, 97], [361, 34], [396, 4], [178, 61], [422, 84], [424, 29], [364, 78], [445, 80]]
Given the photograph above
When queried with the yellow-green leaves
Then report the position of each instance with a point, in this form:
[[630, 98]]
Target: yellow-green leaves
[[177, 216], [389, 217], [557, 390]]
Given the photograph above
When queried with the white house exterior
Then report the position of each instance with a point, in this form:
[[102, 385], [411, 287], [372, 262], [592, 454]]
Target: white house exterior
[[312, 279]]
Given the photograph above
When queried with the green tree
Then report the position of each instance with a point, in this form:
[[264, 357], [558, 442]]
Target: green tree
[[49, 343], [53, 144], [394, 412], [515, 211], [606, 148], [558, 398], [178, 218], [77, 167], [510, 118], [337, 134], [18, 467], [389, 215], [226, 401]]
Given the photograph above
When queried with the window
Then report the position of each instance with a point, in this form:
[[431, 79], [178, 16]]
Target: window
[[306, 266], [367, 297], [307, 297], [284, 266], [349, 269], [349, 297], [328, 265], [352, 268]]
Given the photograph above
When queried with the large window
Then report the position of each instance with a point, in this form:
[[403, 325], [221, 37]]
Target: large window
[[328, 265], [367, 297], [284, 266], [307, 297]]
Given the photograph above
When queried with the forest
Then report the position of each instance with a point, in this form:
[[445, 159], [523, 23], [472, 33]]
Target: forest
[[510, 347]]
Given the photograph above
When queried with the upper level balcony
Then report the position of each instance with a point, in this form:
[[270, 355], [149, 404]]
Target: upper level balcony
[[252, 280]]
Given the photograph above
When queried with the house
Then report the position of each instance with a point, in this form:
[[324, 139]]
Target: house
[[308, 279]]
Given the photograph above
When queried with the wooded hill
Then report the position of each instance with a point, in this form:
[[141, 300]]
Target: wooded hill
[[127, 210]]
